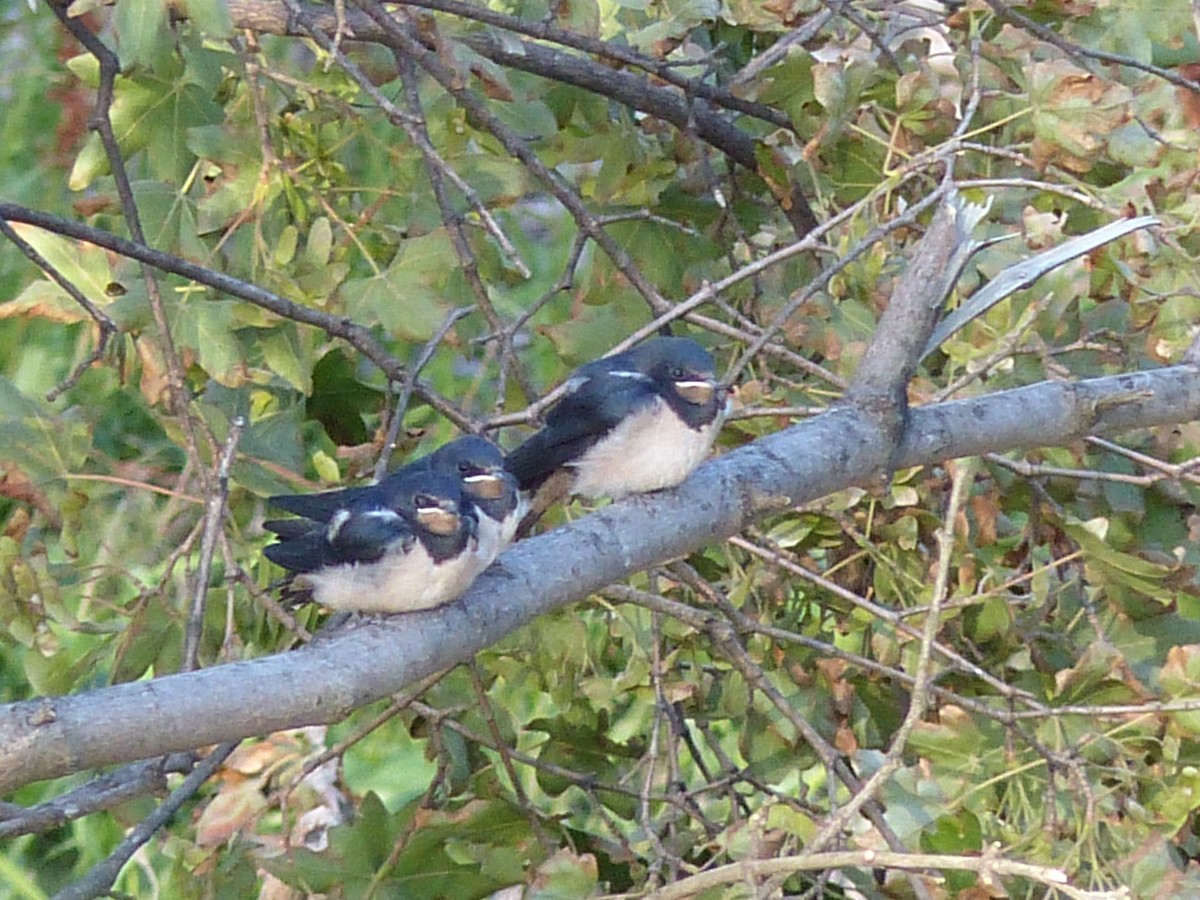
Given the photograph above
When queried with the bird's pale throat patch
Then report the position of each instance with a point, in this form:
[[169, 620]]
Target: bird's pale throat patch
[[697, 392], [485, 486], [438, 520]]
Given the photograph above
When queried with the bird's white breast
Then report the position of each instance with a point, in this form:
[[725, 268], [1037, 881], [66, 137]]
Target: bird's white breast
[[495, 537], [648, 451], [399, 582]]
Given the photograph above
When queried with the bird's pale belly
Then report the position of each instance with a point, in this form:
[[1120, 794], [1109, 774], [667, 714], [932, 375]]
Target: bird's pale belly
[[398, 584], [642, 454]]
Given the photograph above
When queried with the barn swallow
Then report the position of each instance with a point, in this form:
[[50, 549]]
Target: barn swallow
[[638, 421], [479, 466], [407, 543]]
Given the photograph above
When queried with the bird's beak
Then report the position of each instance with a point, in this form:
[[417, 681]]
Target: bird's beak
[[699, 392], [485, 486], [442, 519]]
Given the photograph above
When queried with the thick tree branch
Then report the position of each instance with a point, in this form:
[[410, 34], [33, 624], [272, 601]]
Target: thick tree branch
[[323, 682]]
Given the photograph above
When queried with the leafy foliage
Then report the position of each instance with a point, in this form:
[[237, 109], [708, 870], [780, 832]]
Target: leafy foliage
[[615, 746]]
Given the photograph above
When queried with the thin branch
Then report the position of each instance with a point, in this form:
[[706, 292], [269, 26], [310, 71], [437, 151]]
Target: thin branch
[[101, 793], [106, 326], [101, 123], [100, 880], [883, 614], [637, 93], [990, 865], [422, 360], [727, 641], [336, 326], [272, 18], [509, 361], [414, 127], [1082, 54], [545, 30], [919, 697], [213, 516], [689, 110], [453, 83]]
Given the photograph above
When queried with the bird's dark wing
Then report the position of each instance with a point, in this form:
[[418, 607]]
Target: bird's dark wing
[[293, 529], [367, 535], [600, 401], [301, 547], [364, 536], [318, 507]]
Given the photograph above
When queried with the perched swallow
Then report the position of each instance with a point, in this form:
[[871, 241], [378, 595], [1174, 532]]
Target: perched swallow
[[407, 543], [638, 421], [486, 483]]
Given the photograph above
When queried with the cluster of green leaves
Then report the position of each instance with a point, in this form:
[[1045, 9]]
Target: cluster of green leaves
[[607, 747]]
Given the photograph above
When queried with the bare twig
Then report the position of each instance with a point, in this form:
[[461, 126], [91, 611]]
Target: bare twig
[[107, 327], [989, 865], [920, 694], [101, 123], [1082, 54], [453, 82], [103, 792], [99, 881], [213, 516], [882, 613], [356, 335], [406, 391]]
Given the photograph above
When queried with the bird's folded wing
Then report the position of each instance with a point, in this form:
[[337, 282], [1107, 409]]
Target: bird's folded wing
[[319, 507], [363, 537], [301, 548], [597, 404]]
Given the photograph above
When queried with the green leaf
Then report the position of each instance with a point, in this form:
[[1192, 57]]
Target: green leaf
[[211, 17], [565, 876], [144, 37], [85, 266], [320, 242], [995, 619], [327, 467], [207, 327], [285, 246], [288, 356], [45, 445], [408, 298]]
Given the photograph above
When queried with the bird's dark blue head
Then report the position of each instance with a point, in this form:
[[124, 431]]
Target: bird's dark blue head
[[684, 374], [478, 464], [434, 504]]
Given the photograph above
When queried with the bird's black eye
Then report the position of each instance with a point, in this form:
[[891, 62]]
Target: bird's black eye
[[424, 500], [677, 373], [464, 467]]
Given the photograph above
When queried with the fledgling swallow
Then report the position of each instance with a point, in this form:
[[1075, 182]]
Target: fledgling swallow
[[638, 421], [407, 543], [476, 462]]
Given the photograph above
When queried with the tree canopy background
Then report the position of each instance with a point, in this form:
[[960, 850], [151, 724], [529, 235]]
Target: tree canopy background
[[262, 247]]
